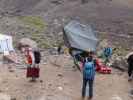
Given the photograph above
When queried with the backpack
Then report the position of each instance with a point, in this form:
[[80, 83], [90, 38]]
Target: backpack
[[108, 52], [37, 56], [89, 70]]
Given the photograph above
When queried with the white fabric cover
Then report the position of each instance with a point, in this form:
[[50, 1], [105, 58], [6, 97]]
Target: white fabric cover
[[6, 43]]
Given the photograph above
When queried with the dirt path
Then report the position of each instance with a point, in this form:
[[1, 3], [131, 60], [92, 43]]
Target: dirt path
[[61, 83]]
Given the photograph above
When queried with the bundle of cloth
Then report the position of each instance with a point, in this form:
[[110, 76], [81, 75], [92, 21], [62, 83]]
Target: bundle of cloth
[[79, 60], [102, 68]]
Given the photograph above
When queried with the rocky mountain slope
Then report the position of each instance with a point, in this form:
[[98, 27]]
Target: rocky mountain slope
[[43, 20]]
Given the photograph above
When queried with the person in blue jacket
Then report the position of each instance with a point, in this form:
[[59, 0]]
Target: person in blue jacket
[[88, 76]]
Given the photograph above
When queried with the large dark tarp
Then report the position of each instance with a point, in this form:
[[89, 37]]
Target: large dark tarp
[[80, 36]]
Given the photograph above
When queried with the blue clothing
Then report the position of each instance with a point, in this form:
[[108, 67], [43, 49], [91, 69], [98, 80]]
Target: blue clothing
[[89, 70], [108, 52], [90, 83]]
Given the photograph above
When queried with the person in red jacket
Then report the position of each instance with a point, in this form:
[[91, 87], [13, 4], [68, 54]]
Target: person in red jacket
[[32, 68]]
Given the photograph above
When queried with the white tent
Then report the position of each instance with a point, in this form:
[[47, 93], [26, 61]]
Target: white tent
[[6, 47], [6, 43]]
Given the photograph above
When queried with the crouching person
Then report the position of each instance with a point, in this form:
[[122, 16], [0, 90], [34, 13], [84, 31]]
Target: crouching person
[[88, 76], [108, 51]]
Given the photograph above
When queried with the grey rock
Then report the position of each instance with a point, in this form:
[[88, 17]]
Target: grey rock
[[60, 75], [13, 99], [11, 70], [131, 92], [120, 64], [41, 81]]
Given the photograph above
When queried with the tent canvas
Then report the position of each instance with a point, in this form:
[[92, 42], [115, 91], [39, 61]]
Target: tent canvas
[[6, 43], [80, 36]]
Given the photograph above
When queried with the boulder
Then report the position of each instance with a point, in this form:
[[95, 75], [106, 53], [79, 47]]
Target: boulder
[[119, 63], [131, 93], [4, 96]]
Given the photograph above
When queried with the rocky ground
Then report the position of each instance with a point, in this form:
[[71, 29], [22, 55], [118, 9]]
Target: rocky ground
[[42, 21], [59, 81]]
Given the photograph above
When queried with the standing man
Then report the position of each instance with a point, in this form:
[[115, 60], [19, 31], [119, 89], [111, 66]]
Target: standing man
[[88, 76], [59, 49], [130, 67]]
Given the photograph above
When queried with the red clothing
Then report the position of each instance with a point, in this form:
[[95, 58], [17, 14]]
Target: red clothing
[[32, 72], [102, 68], [29, 59]]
